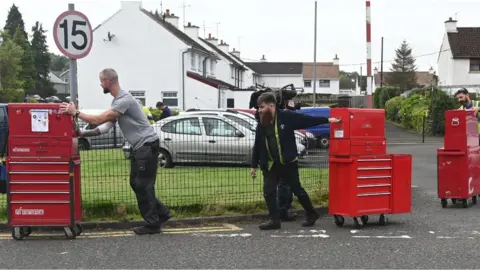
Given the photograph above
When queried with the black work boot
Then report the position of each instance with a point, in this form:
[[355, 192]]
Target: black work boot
[[311, 219], [146, 230], [270, 225], [285, 216]]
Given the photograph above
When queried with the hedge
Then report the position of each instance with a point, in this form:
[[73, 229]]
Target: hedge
[[392, 107], [383, 94]]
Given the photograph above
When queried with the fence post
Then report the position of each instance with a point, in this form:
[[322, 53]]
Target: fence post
[[423, 128]]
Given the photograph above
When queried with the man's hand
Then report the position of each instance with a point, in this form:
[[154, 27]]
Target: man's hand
[[334, 120], [253, 172], [68, 108]]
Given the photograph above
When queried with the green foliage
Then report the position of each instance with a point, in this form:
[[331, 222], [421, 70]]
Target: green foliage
[[10, 63], [14, 21], [158, 113], [32, 100], [11, 95], [41, 60], [383, 94], [58, 62], [27, 73], [403, 69], [407, 107], [441, 103], [392, 107]]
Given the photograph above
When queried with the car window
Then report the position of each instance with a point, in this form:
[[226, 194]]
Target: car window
[[240, 121], [189, 126], [216, 127]]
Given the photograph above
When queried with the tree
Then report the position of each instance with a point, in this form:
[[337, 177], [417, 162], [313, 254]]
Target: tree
[[10, 67], [41, 61], [403, 69], [58, 62], [27, 73], [14, 21]]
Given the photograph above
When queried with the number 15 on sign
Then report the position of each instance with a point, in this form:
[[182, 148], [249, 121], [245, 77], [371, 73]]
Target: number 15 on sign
[[73, 34]]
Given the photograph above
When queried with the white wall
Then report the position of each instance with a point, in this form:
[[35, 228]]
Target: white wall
[[147, 57], [281, 80], [200, 95], [445, 63], [242, 99], [333, 89]]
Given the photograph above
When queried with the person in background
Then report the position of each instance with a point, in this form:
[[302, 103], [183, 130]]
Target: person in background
[[463, 98], [275, 151], [145, 143], [166, 112], [147, 112]]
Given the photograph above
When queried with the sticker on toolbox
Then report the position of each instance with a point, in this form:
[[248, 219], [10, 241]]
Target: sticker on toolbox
[[338, 133], [39, 120]]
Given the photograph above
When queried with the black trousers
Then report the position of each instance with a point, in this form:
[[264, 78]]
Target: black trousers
[[285, 197], [143, 174], [287, 173]]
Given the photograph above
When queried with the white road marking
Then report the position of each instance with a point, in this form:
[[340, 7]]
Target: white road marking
[[383, 237], [315, 231], [454, 237], [222, 235], [354, 231], [301, 236], [432, 232]]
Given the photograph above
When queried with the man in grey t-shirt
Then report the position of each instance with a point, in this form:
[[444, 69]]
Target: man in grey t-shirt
[[145, 143]]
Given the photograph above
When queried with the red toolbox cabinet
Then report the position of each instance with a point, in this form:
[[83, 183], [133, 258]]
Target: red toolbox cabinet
[[361, 132], [43, 183], [368, 185], [458, 162]]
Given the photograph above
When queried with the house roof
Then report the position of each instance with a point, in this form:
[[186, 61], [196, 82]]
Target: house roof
[[222, 53], [242, 62], [177, 32], [210, 81], [423, 77], [54, 79], [325, 70], [465, 43], [289, 68]]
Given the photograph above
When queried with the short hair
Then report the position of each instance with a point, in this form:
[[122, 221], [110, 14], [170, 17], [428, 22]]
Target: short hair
[[267, 98], [461, 91], [159, 104], [110, 74]]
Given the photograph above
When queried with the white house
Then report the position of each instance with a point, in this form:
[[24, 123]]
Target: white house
[[279, 74], [459, 58], [155, 61]]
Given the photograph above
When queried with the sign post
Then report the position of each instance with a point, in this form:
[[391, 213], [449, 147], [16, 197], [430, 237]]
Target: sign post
[[73, 36]]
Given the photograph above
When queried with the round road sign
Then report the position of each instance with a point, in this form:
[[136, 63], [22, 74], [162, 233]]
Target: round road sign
[[73, 34]]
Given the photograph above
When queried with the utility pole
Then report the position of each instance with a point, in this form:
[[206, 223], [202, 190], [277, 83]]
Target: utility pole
[[184, 6], [217, 23], [161, 8], [204, 30], [381, 66], [315, 58]]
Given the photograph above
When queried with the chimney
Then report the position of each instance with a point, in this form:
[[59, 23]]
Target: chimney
[[131, 5], [223, 46], [236, 53], [451, 26], [336, 61], [212, 40], [191, 31], [263, 59], [171, 18]]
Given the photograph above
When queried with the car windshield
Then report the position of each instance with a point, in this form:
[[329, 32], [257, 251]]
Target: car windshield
[[252, 125]]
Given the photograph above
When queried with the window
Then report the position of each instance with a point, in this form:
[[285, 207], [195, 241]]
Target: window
[[230, 103], [214, 65], [200, 63], [324, 83], [208, 64], [240, 121], [307, 83], [190, 126], [140, 95], [170, 99], [215, 127], [193, 60], [232, 72], [475, 65]]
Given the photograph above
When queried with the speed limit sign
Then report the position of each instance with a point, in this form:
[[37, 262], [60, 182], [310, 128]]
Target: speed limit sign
[[73, 34]]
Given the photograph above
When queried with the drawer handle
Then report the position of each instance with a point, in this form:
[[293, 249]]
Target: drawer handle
[[39, 163], [38, 182], [374, 177], [41, 202], [39, 192], [38, 172], [373, 168], [373, 194], [373, 160], [374, 185]]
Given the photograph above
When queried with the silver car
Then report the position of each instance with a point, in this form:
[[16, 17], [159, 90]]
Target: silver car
[[194, 138], [112, 139]]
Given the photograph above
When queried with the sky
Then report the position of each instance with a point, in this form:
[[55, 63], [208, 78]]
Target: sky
[[283, 30]]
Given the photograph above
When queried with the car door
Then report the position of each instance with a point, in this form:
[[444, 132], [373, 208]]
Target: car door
[[102, 140], [224, 142], [184, 139]]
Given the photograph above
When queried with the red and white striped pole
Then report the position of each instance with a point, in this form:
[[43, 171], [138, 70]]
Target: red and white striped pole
[[369, 55]]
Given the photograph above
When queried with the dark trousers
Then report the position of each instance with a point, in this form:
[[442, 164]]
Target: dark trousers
[[143, 174], [285, 197], [289, 174]]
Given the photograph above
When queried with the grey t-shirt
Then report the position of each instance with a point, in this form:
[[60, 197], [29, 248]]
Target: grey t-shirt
[[132, 120]]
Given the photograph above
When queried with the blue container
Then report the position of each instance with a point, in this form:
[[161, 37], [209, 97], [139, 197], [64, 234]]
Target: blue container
[[3, 173]]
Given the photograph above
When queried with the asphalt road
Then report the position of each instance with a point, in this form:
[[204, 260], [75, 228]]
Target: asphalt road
[[429, 237]]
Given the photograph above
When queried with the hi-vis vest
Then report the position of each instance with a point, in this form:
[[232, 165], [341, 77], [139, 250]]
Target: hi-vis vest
[[148, 114], [475, 104], [279, 147]]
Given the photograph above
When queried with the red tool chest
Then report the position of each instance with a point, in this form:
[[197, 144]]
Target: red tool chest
[[458, 162], [363, 179], [361, 132], [43, 179]]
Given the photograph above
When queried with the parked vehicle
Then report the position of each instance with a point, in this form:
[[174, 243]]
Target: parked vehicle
[[321, 132], [112, 139], [3, 128], [192, 138]]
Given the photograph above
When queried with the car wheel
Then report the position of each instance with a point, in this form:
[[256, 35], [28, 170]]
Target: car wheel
[[164, 159], [323, 141], [83, 144]]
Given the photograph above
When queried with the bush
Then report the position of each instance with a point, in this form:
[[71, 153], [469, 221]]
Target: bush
[[392, 107], [407, 107], [383, 94], [441, 103]]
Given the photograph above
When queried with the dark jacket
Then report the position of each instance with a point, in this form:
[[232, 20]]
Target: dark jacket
[[287, 123], [166, 113]]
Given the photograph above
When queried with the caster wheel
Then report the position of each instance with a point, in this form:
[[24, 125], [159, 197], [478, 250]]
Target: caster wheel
[[79, 229], [474, 199], [454, 201], [464, 203], [26, 231], [383, 220], [444, 203], [70, 232], [364, 219], [17, 233], [358, 223], [339, 220]]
